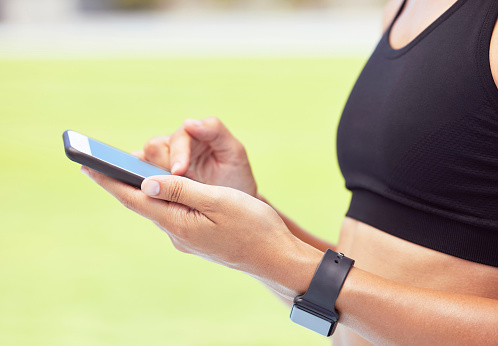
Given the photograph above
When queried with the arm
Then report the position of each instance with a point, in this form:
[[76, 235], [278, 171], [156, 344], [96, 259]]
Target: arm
[[386, 312], [299, 232], [252, 238], [302, 235]]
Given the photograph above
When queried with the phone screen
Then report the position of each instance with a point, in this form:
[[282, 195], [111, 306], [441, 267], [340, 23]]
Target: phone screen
[[111, 155], [122, 159]]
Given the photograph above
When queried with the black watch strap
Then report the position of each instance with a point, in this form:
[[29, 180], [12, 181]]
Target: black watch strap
[[328, 280], [315, 309]]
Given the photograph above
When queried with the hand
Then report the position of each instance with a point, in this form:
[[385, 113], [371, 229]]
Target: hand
[[222, 225], [204, 150]]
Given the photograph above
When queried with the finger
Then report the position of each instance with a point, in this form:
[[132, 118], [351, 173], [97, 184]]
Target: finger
[[212, 131], [201, 197], [129, 196], [156, 150], [138, 153], [180, 147], [176, 218]]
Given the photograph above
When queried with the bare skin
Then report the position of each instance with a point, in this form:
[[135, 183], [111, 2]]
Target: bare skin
[[397, 292], [409, 263]]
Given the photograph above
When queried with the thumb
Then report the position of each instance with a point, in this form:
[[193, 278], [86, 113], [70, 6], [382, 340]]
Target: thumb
[[181, 190]]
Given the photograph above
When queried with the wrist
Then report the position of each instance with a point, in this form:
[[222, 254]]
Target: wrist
[[293, 268]]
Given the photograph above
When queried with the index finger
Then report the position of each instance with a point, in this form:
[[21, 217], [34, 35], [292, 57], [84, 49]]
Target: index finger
[[180, 148]]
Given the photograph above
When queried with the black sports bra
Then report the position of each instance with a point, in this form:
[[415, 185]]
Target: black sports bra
[[418, 139]]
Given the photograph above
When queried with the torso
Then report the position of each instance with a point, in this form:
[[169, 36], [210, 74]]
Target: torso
[[394, 258], [401, 261]]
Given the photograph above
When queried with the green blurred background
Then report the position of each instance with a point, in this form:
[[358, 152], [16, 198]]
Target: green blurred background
[[77, 268]]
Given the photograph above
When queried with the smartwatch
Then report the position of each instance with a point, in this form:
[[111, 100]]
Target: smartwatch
[[315, 309]]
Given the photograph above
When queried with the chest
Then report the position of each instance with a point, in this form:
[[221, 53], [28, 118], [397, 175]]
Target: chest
[[421, 123]]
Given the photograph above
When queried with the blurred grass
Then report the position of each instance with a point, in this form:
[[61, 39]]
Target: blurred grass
[[76, 268]]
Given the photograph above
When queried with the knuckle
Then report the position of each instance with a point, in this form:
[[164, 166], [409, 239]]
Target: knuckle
[[239, 151], [213, 122], [239, 148], [154, 145], [175, 191], [151, 147]]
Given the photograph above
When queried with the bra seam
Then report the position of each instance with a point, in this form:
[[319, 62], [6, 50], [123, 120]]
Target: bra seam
[[391, 53]]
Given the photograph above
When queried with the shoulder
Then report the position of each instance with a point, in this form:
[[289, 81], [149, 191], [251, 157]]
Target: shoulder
[[493, 54], [390, 11]]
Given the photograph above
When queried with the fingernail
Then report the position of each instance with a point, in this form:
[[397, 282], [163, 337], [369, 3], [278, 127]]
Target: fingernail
[[85, 171], [151, 188], [175, 167], [193, 122]]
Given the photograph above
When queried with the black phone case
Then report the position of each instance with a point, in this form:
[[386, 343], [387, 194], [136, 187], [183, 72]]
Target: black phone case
[[101, 166]]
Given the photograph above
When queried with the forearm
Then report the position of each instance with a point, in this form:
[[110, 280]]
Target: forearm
[[303, 236], [289, 273], [300, 233], [386, 312]]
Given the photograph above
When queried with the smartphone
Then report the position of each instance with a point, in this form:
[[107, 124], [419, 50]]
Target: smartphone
[[109, 160]]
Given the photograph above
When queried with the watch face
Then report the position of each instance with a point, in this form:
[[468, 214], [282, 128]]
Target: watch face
[[310, 321]]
